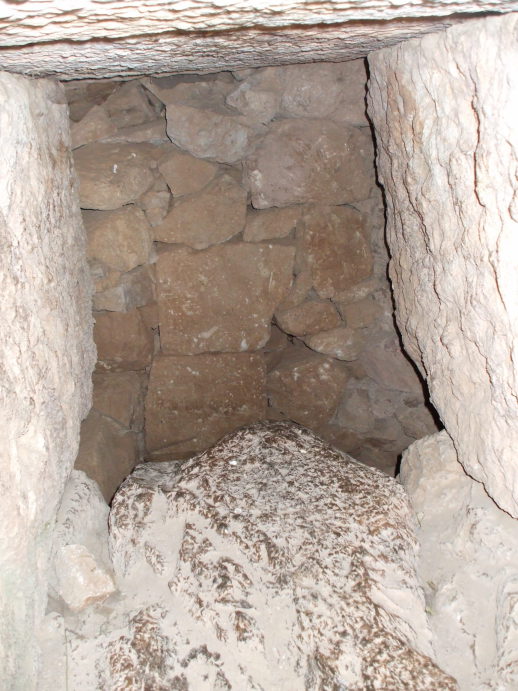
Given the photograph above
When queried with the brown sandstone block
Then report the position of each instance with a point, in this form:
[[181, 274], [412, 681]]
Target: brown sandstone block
[[193, 401], [221, 299]]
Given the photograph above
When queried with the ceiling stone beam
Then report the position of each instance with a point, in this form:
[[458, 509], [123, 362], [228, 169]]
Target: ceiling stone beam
[[24, 22], [210, 51]]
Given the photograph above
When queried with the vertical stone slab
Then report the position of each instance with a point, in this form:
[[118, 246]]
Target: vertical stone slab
[[46, 353], [445, 110]]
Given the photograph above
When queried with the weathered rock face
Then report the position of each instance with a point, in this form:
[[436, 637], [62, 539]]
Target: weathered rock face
[[108, 452], [255, 566], [212, 216], [444, 110], [80, 570], [117, 40], [302, 161], [306, 388], [123, 341], [221, 299], [46, 353], [111, 175], [468, 567], [120, 239], [193, 401], [336, 248]]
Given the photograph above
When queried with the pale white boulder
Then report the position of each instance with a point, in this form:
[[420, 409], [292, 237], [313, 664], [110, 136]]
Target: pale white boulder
[[468, 567], [80, 569]]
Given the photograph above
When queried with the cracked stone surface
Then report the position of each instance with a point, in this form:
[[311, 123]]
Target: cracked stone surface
[[444, 110]]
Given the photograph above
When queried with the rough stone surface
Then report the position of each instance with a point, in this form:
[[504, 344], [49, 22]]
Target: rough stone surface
[[206, 218], [119, 395], [195, 37], [335, 91], [220, 299], [108, 452], [95, 125], [384, 361], [121, 239], [447, 105], [255, 566], [270, 224], [310, 317], [81, 566], [46, 353], [155, 202], [123, 342], [186, 174], [308, 160], [111, 175], [336, 248], [342, 343], [128, 105], [306, 387], [193, 401], [468, 567], [360, 314], [135, 289]]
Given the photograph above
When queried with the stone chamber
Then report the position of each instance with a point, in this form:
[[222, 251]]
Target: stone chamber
[[199, 243]]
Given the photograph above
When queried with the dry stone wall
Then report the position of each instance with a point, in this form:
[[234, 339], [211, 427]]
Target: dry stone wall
[[46, 354], [235, 237]]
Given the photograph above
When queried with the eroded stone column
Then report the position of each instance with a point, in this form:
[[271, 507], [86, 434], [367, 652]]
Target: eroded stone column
[[46, 353], [445, 111]]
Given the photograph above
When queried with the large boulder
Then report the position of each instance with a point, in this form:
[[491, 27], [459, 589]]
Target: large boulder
[[271, 561], [444, 111], [468, 566]]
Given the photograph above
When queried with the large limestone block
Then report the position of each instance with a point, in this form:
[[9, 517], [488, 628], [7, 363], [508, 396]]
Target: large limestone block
[[121, 239], [445, 111], [308, 160], [193, 401], [44, 21], [81, 566], [220, 299], [271, 561], [211, 216], [123, 341], [468, 567], [335, 248], [306, 387], [108, 452], [46, 353], [111, 175]]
